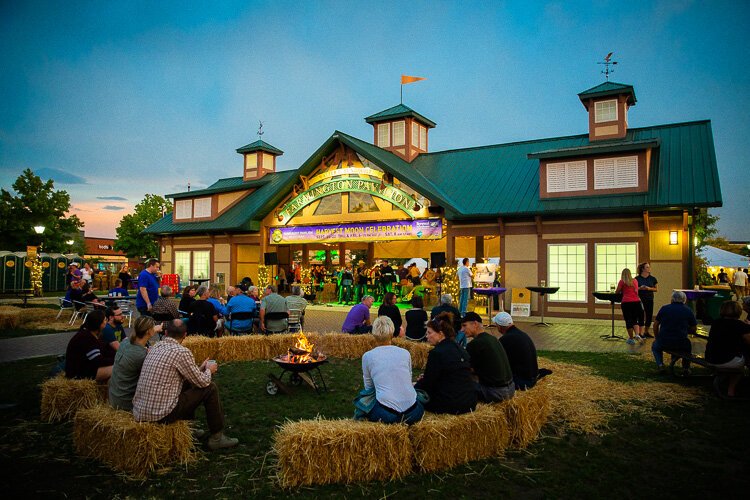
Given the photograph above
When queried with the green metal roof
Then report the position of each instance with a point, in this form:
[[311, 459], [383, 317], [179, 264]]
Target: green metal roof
[[498, 180], [502, 180], [260, 146], [399, 111], [245, 215], [607, 89]]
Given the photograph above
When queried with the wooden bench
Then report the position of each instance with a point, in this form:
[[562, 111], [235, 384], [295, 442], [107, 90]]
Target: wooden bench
[[693, 358]]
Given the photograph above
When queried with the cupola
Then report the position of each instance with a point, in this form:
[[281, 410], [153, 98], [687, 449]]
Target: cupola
[[401, 130], [259, 159], [608, 105]]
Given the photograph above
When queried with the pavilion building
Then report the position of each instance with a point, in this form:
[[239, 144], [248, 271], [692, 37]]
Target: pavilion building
[[572, 211]]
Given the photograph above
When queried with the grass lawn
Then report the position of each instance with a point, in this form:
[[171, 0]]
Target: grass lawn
[[693, 452]]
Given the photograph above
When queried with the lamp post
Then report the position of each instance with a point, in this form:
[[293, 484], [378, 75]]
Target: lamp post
[[70, 245]]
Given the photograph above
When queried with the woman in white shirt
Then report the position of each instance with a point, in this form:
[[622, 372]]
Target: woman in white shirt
[[387, 368]]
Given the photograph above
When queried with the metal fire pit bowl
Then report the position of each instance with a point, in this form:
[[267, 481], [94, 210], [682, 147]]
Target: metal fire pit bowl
[[298, 373]]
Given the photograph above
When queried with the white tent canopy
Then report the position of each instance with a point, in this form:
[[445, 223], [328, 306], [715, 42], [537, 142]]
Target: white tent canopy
[[716, 257], [421, 264]]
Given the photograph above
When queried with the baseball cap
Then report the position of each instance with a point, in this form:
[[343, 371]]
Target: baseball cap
[[471, 316], [74, 264], [502, 319]]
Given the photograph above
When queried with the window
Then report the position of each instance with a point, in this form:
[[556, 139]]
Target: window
[[611, 259], [192, 264], [566, 268], [183, 209], [570, 176], [361, 202], [329, 205], [251, 161], [399, 133], [605, 111], [613, 173], [384, 135], [414, 134], [267, 162], [202, 207], [423, 138]]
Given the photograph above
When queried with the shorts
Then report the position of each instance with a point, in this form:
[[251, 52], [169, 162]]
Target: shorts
[[633, 313]]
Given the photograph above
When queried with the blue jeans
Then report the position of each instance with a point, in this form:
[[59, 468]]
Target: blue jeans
[[681, 345], [463, 300], [388, 416]]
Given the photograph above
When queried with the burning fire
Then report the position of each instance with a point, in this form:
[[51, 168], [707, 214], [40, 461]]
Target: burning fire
[[302, 350]]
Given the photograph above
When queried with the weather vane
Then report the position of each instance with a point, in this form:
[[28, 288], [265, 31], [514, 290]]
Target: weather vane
[[607, 63], [260, 129]]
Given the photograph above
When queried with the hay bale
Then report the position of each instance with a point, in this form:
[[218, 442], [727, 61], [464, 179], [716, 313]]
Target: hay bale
[[418, 351], [584, 402], [135, 448], [526, 413], [325, 451], [63, 397], [444, 441], [342, 345], [10, 317], [202, 347]]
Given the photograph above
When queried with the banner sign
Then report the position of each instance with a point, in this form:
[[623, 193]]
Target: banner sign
[[392, 194], [421, 229]]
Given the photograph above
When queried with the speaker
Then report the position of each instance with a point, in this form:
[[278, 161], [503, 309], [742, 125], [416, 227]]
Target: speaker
[[437, 259], [270, 258]]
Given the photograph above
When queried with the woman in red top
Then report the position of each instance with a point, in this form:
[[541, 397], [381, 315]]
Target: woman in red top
[[632, 310]]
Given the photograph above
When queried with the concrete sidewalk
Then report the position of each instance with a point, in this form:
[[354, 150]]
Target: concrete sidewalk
[[561, 335]]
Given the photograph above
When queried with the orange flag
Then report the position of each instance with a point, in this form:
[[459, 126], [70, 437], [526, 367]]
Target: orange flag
[[410, 79]]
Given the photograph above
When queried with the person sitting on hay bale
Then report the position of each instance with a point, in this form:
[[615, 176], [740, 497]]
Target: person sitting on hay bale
[[83, 356], [171, 387], [447, 378], [358, 318], [488, 361], [728, 339], [389, 395], [671, 327], [521, 352], [113, 332], [128, 363]]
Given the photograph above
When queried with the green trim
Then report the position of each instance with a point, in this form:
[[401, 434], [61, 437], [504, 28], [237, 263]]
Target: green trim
[[399, 111], [259, 146], [595, 149]]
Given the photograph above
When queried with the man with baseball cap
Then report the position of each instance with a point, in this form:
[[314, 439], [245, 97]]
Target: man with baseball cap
[[488, 360], [520, 350]]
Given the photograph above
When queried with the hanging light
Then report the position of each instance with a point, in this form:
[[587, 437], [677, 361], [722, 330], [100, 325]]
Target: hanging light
[[39, 229]]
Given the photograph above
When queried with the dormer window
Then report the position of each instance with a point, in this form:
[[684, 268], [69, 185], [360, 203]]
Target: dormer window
[[615, 173], [183, 209], [605, 111], [569, 176], [198, 208], [202, 207]]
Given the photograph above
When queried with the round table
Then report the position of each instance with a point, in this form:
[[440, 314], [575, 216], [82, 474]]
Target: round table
[[543, 291], [613, 298], [490, 292]]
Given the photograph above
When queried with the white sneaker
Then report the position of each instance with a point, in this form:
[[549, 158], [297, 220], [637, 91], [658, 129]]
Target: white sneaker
[[639, 338]]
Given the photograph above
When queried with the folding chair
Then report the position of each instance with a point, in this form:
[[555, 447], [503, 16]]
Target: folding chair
[[294, 322], [126, 308], [276, 315], [82, 311], [239, 316], [65, 305]]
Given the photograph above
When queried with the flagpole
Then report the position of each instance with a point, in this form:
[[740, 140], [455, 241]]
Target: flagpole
[[402, 93]]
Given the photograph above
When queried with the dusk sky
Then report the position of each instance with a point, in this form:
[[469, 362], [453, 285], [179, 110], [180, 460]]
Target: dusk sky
[[114, 100]]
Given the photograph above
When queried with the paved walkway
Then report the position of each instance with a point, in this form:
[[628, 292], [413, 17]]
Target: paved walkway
[[561, 335]]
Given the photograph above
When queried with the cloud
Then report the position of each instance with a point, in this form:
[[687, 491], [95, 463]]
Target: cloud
[[111, 198], [113, 207], [59, 176]]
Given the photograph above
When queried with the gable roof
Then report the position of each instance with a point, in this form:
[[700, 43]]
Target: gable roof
[[606, 89], [497, 180], [259, 145], [399, 111], [502, 180]]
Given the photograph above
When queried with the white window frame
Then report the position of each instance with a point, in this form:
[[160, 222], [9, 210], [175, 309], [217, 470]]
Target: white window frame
[[415, 135], [183, 209], [598, 112], [423, 138], [384, 135], [616, 173], [187, 259], [201, 204], [608, 273], [574, 176], [399, 133], [553, 275]]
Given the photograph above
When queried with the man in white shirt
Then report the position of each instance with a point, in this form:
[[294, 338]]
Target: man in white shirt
[[740, 282], [464, 283]]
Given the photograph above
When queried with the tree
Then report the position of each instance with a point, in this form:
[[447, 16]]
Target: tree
[[705, 228], [34, 203], [129, 237]]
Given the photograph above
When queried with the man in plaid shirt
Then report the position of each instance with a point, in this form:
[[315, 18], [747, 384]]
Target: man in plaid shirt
[[171, 387]]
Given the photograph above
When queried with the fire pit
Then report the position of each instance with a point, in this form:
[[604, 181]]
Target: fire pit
[[297, 362]]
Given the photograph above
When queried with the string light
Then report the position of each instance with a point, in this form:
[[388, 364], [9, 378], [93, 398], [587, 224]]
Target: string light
[[264, 276], [306, 277], [35, 276]]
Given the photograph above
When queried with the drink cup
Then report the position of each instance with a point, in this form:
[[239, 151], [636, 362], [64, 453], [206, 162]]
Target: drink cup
[[543, 283], [210, 362], [696, 287]]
